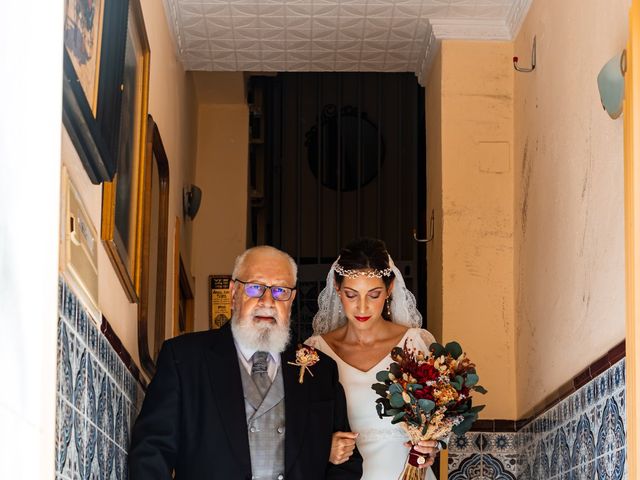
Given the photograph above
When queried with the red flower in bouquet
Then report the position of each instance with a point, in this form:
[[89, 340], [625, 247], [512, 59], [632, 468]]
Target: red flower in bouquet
[[430, 396]]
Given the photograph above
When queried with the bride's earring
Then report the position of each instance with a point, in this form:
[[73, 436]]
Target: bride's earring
[[389, 306]]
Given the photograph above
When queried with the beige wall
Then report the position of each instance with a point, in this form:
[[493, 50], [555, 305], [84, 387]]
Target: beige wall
[[172, 105], [569, 244], [220, 228], [475, 221]]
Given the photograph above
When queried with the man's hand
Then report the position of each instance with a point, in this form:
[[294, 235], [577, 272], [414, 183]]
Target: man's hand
[[342, 446]]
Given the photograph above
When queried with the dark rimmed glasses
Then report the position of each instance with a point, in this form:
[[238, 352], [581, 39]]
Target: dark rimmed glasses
[[256, 290]]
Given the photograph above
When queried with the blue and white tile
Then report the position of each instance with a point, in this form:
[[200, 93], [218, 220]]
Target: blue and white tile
[[610, 435], [64, 362], [585, 471], [120, 464], [561, 455], [584, 447], [92, 337], [105, 453], [66, 458], [80, 392], [500, 442], [612, 465], [69, 307], [82, 325], [495, 468], [468, 469], [463, 443]]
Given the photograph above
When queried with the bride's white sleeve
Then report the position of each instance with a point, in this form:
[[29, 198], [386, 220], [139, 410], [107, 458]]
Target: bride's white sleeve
[[427, 337], [312, 341]]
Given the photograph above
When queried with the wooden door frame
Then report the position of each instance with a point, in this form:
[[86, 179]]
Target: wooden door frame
[[632, 235]]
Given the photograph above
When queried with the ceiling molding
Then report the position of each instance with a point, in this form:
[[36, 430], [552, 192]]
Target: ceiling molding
[[455, 29]]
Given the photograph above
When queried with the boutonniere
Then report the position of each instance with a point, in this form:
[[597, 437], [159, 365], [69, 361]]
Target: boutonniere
[[305, 357]]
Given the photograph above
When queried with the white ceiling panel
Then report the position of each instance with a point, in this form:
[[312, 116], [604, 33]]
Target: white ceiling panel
[[331, 35]]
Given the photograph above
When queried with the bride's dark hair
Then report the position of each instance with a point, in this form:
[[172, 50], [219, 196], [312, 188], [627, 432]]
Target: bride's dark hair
[[365, 254]]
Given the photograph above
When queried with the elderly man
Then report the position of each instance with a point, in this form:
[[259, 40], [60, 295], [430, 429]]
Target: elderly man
[[227, 404]]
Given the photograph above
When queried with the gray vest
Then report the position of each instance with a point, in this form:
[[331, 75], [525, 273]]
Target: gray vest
[[265, 422]]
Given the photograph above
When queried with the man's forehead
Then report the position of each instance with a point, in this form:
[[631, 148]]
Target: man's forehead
[[267, 265]]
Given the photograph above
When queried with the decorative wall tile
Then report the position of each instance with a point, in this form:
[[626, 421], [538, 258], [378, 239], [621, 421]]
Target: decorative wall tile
[[97, 398], [582, 437]]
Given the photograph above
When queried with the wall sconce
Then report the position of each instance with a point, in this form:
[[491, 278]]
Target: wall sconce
[[611, 84], [191, 198]]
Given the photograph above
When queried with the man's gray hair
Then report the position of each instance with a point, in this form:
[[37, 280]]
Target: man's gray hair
[[239, 263]]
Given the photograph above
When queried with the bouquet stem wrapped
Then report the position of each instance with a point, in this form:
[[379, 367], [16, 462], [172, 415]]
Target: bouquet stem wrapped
[[429, 395]]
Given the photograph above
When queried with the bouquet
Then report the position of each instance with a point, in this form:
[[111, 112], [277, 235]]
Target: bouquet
[[429, 395]]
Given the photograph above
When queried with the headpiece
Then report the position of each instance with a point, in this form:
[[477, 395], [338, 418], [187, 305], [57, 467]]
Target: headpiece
[[369, 273], [330, 315]]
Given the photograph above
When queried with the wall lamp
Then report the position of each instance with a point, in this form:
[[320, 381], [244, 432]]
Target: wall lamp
[[191, 198], [611, 84]]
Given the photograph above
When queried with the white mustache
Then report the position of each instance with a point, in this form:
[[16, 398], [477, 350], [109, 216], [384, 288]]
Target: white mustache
[[266, 312]]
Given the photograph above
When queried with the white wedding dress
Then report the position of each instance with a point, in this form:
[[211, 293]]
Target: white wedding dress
[[380, 443]]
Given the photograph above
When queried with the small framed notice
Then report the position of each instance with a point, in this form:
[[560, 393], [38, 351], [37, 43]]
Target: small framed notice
[[219, 300]]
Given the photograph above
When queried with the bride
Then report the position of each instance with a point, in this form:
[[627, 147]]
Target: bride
[[365, 311]]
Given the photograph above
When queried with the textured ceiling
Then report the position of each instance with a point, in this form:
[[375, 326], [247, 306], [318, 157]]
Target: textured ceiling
[[331, 35]]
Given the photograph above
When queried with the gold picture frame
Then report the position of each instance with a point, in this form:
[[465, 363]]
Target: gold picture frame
[[122, 198]]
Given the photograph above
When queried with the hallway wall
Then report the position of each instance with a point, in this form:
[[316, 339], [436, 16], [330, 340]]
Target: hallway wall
[[222, 169], [568, 159], [470, 179], [172, 105], [98, 397]]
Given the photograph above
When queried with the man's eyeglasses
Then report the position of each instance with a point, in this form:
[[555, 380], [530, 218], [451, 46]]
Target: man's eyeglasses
[[256, 290]]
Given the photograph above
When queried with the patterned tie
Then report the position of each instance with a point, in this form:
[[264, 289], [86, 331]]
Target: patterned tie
[[259, 372]]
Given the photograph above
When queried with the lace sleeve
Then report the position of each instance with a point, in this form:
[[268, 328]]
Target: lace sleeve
[[426, 337], [313, 341]]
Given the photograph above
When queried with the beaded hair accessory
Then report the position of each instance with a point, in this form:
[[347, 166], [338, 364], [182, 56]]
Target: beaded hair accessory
[[369, 273]]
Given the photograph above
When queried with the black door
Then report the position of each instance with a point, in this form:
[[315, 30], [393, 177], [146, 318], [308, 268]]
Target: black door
[[336, 156]]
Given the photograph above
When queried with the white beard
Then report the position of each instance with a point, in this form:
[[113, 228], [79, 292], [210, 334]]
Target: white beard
[[260, 336]]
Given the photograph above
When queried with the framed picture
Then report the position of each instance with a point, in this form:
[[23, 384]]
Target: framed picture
[[219, 300], [94, 42], [122, 200], [153, 260]]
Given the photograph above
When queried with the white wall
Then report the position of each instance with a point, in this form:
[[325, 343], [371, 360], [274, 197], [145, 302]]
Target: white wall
[[29, 215]]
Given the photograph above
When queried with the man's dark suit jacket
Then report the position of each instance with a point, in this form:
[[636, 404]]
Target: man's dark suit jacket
[[193, 417]]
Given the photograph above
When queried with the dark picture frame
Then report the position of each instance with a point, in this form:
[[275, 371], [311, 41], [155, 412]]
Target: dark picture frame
[[122, 198], [155, 234], [95, 34]]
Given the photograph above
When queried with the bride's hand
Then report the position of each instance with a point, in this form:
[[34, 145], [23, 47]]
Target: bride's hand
[[428, 448], [342, 446]]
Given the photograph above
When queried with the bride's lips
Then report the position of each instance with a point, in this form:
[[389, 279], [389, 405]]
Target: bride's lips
[[362, 319]]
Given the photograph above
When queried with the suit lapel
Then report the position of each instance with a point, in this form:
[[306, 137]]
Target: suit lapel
[[224, 374], [295, 406]]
